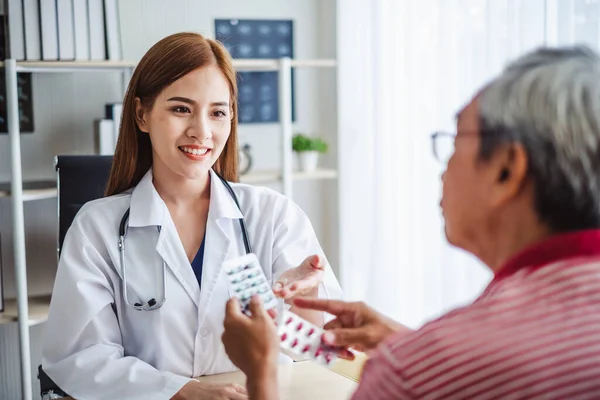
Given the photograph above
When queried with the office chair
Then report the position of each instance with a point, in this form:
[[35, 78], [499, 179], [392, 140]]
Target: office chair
[[79, 179]]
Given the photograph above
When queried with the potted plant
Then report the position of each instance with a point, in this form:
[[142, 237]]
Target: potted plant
[[308, 149]]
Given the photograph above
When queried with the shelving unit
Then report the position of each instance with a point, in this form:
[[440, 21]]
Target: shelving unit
[[253, 178], [38, 310], [30, 311]]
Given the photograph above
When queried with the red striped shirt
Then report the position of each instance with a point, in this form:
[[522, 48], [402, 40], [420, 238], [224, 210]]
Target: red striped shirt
[[533, 333]]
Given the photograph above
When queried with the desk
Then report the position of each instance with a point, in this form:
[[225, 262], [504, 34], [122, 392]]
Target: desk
[[301, 380]]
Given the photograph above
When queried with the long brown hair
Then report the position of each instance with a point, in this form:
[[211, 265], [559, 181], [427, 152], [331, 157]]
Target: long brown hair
[[167, 61]]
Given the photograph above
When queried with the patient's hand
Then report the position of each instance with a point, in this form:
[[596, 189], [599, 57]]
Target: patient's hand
[[251, 342], [357, 325]]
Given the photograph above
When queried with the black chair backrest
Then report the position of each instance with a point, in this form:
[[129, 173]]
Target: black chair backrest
[[80, 179]]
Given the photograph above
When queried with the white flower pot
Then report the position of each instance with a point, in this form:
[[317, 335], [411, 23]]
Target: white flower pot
[[308, 160]]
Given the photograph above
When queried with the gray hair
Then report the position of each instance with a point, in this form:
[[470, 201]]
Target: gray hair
[[549, 101]]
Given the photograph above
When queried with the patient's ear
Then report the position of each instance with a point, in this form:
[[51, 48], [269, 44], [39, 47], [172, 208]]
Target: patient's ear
[[511, 163], [141, 116]]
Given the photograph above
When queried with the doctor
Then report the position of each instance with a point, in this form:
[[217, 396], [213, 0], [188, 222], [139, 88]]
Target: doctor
[[138, 316]]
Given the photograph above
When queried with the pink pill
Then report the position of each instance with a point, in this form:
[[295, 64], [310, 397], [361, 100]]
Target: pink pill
[[294, 343], [310, 332], [306, 348], [283, 337], [318, 352], [300, 325], [289, 321], [328, 357]]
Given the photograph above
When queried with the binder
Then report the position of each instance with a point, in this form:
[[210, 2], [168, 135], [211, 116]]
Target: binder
[[105, 136], [96, 30], [16, 30], [49, 30], [81, 30], [113, 31], [33, 43], [113, 112], [66, 36]]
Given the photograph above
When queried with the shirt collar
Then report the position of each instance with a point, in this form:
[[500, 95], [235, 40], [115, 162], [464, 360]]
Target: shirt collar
[[559, 247], [148, 208], [222, 204]]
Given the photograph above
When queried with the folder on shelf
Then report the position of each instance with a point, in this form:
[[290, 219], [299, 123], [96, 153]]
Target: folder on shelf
[[33, 44], [16, 30], [113, 31], [49, 30], [81, 30], [96, 31], [113, 112], [105, 136], [66, 37]]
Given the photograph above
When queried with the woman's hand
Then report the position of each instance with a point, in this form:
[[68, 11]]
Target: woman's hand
[[302, 280], [194, 390], [356, 325]]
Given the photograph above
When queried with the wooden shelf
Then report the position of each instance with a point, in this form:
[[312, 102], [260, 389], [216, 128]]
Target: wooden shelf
[[273, 64], [38, 310], [76, 64], [45, 189], [269, 176], [318, 174], [238, 63], [34, 190], [260, 177]]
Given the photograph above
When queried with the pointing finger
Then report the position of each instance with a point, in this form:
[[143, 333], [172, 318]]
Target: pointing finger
[[335, 307]]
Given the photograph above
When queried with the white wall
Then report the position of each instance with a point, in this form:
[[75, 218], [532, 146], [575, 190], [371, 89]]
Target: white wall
[[65, 106]]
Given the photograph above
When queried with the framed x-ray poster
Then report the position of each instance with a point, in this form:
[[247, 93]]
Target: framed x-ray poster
[[258, 96]]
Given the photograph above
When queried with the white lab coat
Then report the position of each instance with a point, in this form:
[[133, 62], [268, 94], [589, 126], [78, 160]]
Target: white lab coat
[[98, 347]]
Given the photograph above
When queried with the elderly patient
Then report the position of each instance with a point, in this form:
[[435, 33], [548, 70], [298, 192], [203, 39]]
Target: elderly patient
[[521, 192]]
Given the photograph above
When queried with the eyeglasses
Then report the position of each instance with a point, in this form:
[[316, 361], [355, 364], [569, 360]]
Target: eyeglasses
[[443, 145]]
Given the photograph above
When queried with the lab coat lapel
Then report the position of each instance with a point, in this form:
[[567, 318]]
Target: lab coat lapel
[[170, 248], [148, 209], [219, 235]]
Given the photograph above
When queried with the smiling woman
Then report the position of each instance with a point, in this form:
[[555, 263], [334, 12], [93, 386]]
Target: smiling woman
[[173, 193], [171, 94], [197, 105]]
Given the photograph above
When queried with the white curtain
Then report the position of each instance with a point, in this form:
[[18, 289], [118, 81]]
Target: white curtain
[[404, 68]]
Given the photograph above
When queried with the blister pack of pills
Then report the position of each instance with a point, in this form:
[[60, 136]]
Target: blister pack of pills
[[297, 335], [304, 339], [247, 278]]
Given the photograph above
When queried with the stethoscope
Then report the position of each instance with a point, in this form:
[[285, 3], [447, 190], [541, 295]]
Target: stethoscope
[[153, 304]]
